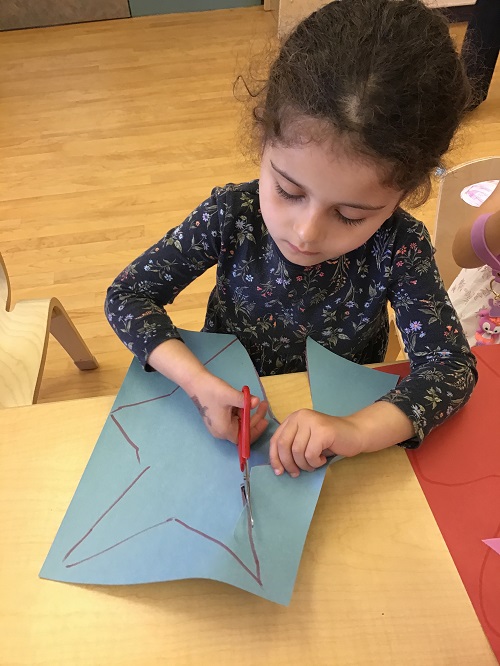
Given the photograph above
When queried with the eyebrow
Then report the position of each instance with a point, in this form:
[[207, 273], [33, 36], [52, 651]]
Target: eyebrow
[[345, 203]]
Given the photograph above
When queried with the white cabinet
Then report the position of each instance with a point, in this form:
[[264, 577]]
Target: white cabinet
[[36, 13]]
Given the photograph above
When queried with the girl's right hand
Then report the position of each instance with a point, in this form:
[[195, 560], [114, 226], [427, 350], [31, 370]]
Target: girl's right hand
[[218, 404], [217, 401]]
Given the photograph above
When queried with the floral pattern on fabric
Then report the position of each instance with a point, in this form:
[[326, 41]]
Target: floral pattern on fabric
[[273, 305]]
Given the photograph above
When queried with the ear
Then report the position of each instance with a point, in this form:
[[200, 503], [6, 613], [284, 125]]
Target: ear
[[400, 201]]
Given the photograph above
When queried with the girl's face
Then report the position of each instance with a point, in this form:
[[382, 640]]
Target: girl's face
[[317, 205]]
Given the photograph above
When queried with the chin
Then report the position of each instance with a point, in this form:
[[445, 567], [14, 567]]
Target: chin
[[298, 258], [305, 261]]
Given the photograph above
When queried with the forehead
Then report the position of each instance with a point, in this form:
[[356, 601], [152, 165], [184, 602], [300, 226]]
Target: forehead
[[328, 169]]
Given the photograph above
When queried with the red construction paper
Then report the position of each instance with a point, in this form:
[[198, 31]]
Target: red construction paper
[[458, 467]]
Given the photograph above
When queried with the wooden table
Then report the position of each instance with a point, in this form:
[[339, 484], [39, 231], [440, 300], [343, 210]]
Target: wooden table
[[376, 584]]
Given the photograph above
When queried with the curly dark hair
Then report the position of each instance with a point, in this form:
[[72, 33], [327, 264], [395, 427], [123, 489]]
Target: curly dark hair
[[382, 75]]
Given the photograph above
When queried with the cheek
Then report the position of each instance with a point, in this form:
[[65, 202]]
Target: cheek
[[359, 234], [266, 192], [346, 238], [272, 209], [371, 228], [266, 208]]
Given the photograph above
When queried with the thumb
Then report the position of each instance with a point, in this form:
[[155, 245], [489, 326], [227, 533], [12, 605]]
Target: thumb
[[236, 399]]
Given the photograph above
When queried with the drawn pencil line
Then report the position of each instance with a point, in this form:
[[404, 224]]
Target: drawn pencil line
[[167, 395], [160, 397], [255, 576], [143, 402], [131, 485], [127, 438], [442, 483]]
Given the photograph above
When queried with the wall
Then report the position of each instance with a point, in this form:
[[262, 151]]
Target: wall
[[36, 13]]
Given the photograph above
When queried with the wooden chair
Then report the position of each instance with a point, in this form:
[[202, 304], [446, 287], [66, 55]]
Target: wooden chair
[[24, 334], [452, 210]]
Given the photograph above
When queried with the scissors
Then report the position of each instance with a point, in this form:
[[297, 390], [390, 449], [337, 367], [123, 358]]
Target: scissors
[[244, 449]]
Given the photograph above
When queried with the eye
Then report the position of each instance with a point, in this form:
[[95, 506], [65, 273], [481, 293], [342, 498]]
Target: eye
[[285, 195], [348, 220]]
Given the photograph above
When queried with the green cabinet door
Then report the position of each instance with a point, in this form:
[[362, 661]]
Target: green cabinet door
[[145, 7]]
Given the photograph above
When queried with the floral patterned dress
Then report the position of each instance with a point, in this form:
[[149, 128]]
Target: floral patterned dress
[[273, 305]]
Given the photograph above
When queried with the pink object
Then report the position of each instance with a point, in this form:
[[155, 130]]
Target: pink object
[[488, 328], [477, 193], [480, 247], [493, 543]]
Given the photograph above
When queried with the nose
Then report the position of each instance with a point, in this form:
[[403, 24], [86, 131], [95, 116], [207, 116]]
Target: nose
[[309, 227]]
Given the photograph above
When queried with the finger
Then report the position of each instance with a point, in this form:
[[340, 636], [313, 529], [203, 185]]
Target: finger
[[284, 441], [274, 459], [258, 430], [259, 414], [315, 451], [264, 405], [299, 448], [314, 455], [254, 401], [258, 422], [235, 398], [231, 425]]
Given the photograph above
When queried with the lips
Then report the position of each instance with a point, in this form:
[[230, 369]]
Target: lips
[[297, 250]]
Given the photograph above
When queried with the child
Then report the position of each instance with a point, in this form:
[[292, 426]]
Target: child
[[471, 291], [361, 103]]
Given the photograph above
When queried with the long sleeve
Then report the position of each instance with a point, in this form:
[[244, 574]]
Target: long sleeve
[[443, 370], [272, 306], [135, 301]]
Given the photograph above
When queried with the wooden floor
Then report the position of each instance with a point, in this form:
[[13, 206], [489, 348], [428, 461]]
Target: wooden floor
[[110, 133]]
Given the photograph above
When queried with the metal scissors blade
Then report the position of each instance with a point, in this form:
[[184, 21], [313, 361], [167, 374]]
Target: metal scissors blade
[[244, 449]]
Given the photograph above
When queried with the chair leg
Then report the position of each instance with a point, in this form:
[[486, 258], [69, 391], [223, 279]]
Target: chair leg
[[393, 347], [65, 332]]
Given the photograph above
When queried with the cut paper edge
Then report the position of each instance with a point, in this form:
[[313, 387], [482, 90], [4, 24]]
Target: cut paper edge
[[494, 544]]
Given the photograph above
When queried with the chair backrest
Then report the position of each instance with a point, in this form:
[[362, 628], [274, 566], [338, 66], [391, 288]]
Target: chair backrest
[[4, 286], [24, 334], [23, 343], [452, 210]]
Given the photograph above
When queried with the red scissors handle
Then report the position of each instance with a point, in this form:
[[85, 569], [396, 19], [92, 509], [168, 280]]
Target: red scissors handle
[[244, 429]]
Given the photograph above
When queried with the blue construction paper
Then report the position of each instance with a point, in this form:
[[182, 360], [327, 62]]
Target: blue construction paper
[[160, 498], [340, 387]]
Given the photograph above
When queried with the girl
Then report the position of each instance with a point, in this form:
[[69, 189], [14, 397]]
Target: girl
[[361, 103], [471, 291]]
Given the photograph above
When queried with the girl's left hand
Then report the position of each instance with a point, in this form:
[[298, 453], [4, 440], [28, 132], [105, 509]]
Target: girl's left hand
[[307, 438]]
